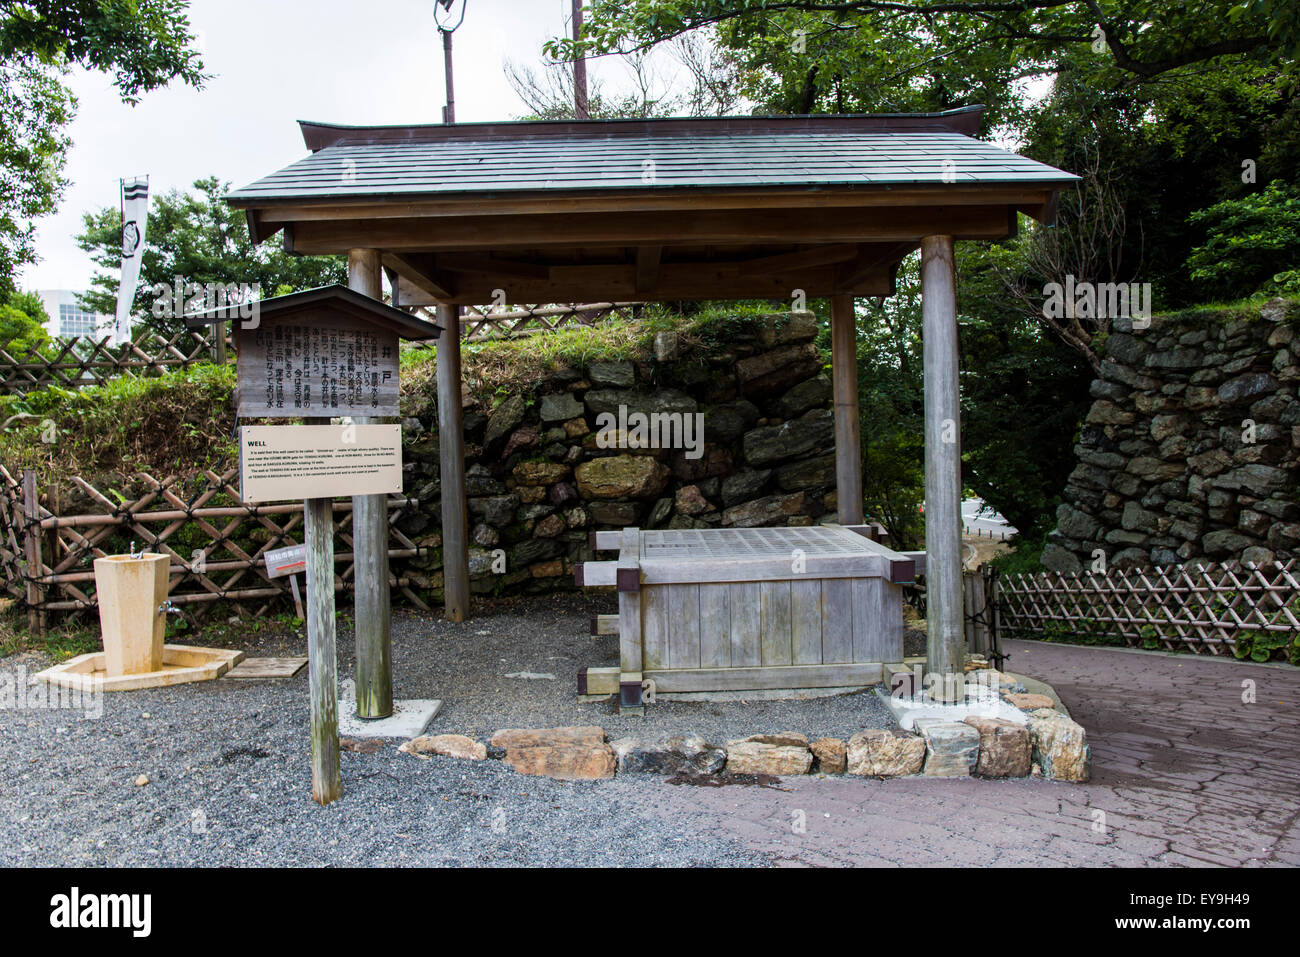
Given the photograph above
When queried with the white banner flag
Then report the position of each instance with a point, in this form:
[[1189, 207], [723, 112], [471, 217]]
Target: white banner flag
[[135, 211]]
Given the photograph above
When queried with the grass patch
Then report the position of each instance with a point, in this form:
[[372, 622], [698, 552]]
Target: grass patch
[[497, 367], [178, 422]]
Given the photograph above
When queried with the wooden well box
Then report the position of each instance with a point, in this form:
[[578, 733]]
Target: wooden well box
[[748, 609]]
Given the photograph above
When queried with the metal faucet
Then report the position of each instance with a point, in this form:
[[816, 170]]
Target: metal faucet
[[134, 554], [167, 608]]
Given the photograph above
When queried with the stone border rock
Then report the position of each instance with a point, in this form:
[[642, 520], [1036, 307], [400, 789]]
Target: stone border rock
[[1050, 745]]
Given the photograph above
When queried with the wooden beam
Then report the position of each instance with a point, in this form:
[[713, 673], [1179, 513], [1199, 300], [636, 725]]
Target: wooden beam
[[647, 268], [943, 580], [695, 280], [492, 265], [627, 201], [418, 272], [869, 259], [800, 258], [451, 463], [686, 227], [848, 435], [372, 601]]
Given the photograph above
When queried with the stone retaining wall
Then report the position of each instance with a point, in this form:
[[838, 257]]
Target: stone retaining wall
[[1192, 446], [538, 482]]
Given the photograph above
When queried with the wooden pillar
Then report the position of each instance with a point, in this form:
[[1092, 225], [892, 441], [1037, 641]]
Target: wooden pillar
[[943, 577], [372, 609], [848, 434], [451, 451], [326, 779]]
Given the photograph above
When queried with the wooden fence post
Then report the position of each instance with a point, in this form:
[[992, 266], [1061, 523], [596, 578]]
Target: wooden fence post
[[32, 552]]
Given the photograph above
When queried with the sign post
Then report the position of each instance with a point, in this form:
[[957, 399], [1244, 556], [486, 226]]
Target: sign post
[[317, 355]]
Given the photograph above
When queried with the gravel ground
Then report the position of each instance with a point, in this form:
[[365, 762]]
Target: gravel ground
[[229, 781]]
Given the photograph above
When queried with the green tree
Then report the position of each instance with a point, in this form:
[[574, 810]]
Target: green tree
[[1248, 241], [194, 237], [142, 44], [22, 324]]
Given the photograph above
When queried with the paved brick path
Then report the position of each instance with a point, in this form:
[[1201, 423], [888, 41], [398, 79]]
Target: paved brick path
[[1184, 773]]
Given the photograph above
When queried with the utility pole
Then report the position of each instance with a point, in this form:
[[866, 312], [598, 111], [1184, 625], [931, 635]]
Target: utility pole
[[579, 69]]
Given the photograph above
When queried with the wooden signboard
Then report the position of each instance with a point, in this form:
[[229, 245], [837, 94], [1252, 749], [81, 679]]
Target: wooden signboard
[[316, 366], [281, 463]]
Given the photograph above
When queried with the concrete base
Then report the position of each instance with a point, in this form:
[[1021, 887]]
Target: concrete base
[[409, 719], [979, 702], [181, 664]]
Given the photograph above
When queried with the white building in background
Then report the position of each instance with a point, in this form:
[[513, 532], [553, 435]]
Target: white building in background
[[68, 318]]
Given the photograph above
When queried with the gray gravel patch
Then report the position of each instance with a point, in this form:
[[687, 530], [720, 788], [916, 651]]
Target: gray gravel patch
[[229, 780]]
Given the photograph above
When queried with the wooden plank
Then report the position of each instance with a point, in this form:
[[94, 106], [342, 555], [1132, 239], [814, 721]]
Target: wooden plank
[[715, 626], [856, 675], [602, 681], [629, 604], [265, 668], [844, 387], [806, 621], [837, 620], [746, 624], [664, 571], [874, 625], [326, 778], [607, 541], [891, 617], [604, 625], [684, 626], [451, 464], [596, 574], [418, 273], [654, 627], [774, 600]]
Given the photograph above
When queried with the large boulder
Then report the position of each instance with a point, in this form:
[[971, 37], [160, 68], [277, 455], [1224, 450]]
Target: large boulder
[[806, 395], [569, 754], [951, 747], [1004, 749], [810, 431], [661, 400], [503, 421], [778, 370], [560, 407], [1060, 746], [885, 753], [670, 754], [621, 476], [774, 509], [777, 754]]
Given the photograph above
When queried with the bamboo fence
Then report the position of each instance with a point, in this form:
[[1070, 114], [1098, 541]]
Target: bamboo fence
[[46, 559], [1206, 608]]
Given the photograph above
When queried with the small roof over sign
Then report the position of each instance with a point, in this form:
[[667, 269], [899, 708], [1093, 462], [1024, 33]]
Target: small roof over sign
[[333, 299]]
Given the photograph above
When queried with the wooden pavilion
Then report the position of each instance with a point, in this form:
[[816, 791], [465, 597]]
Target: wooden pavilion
[[656, 210]]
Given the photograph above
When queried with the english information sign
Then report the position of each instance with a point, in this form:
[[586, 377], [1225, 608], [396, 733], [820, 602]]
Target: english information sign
[[284, 463]]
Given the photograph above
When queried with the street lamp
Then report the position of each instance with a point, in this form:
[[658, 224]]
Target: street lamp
[[446, 27]]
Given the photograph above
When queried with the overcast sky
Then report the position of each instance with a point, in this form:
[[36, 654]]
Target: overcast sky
[[276, 62]]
